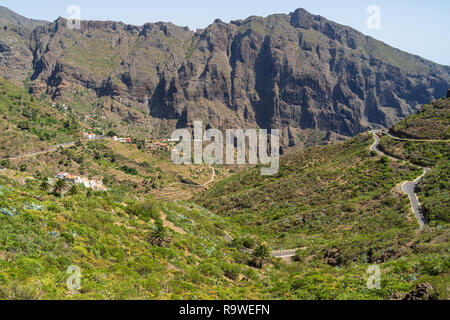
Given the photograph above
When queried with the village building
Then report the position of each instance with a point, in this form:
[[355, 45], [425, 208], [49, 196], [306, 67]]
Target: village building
[[90, 136], [71, 178], [90, 184], [122, 140], [61, 175]]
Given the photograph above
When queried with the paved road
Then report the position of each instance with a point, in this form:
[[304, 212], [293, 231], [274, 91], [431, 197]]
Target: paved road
[[50, 149], [286, 253], [413, 140], [277, 254], [408, 187], [374, 146]]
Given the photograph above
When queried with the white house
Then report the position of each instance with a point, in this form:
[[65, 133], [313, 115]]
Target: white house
[[61, 175], [90, 136], [90, 184]]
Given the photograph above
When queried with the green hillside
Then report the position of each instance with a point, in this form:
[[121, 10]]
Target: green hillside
[[30, 124], [340, 207], [107, 235], [346, 202], [431, 125], [431, 122]]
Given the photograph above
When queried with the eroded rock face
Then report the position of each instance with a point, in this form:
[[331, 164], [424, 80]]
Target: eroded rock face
[[15, 55], [314, 79]]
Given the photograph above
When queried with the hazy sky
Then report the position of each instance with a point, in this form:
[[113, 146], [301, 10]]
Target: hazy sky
[[417, 26]]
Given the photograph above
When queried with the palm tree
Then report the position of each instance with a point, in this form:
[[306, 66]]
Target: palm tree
[[59, 187], [73, 190], [260, 256], [158, 237], [44, 186]]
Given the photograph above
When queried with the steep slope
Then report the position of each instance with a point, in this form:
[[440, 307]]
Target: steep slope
[[107, 237], [432, 122], [316, 80], [344, 205], [319, 192], [427, 145], [340, 204], [28, 124], [16, 56]]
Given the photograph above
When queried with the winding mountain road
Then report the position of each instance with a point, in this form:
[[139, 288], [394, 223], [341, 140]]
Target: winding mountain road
[[413, 140], [50, 149], [407, 187]]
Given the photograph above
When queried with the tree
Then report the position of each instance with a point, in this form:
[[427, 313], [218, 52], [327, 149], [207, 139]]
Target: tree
[[44, 186], [5, 163], [384, 160], [73, 190], [59, 187], [260, 256], [158, 237]]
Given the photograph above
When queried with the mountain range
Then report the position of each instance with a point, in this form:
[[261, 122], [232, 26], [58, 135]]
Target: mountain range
[[316, 80], [314, 230]]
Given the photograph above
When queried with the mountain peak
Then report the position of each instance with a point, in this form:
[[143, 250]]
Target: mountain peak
[[301, 18]]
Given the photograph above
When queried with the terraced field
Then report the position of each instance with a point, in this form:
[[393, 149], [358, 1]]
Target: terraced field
[[173, 194]]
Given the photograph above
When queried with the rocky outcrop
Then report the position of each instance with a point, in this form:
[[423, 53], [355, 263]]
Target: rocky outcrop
[[312, 78], [333, 257], [423, 291]]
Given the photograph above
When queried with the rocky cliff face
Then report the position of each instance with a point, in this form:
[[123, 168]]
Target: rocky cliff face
[[314, 79], [16, 57]]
